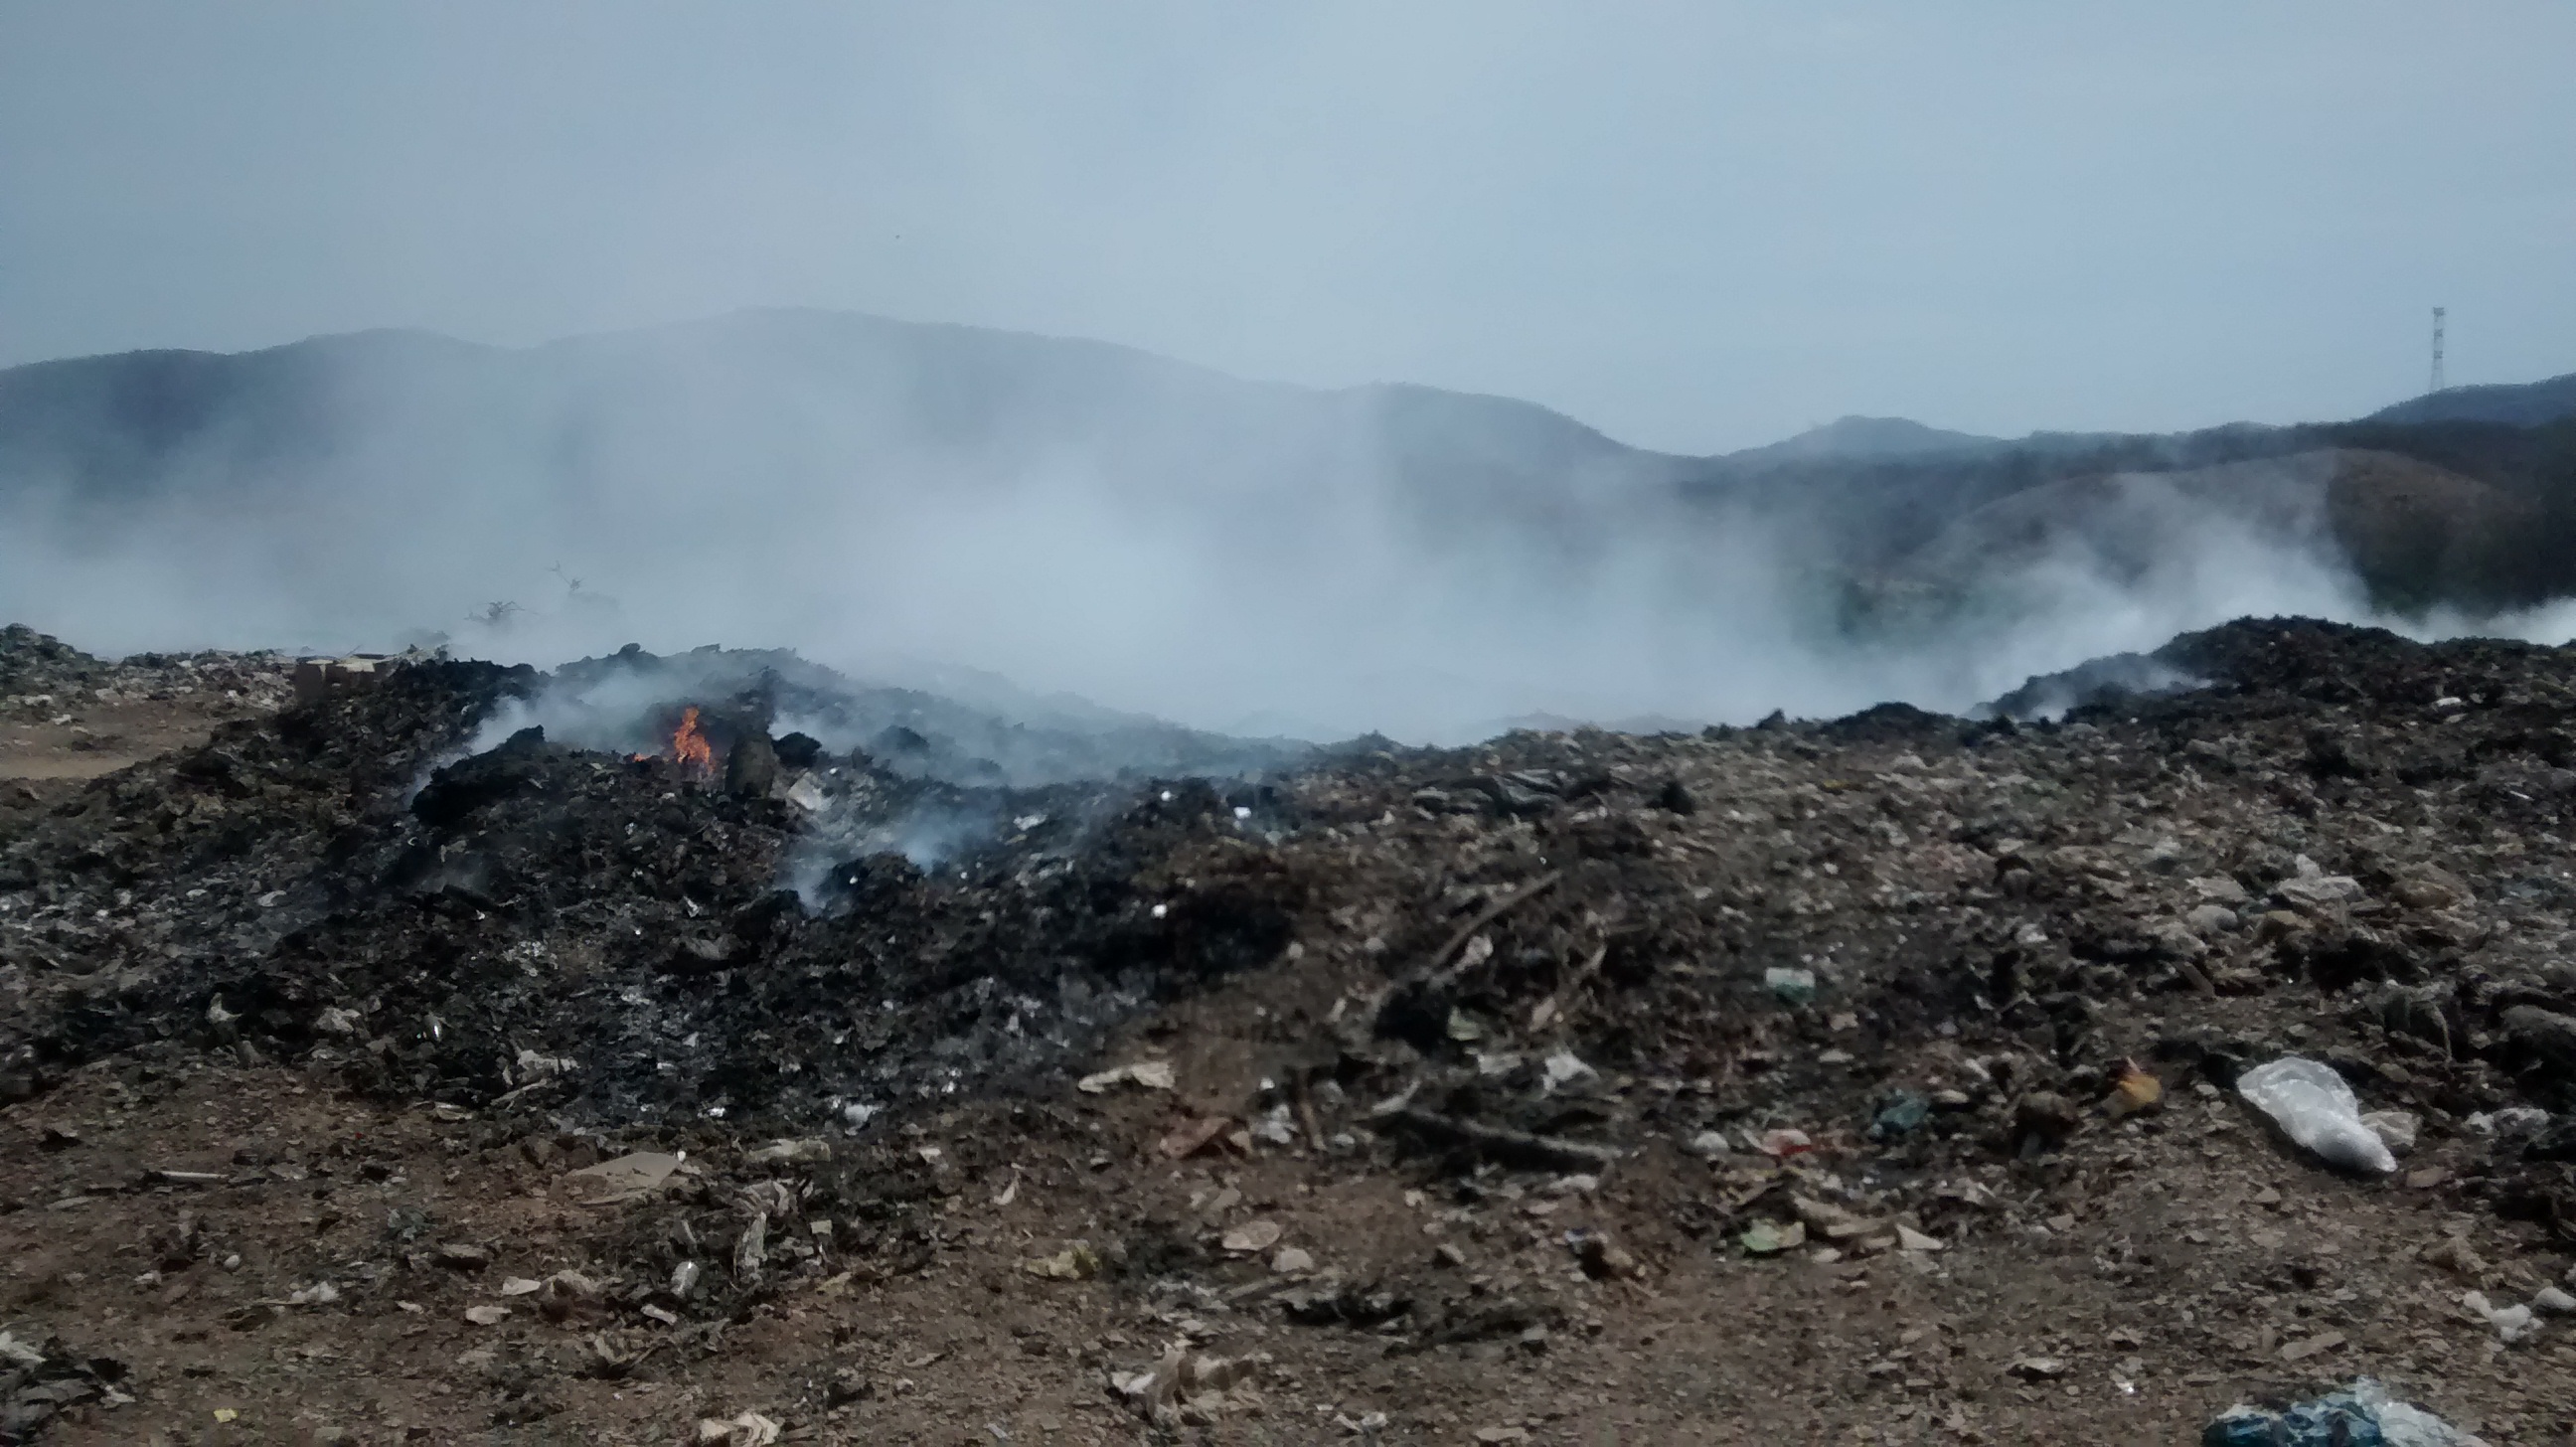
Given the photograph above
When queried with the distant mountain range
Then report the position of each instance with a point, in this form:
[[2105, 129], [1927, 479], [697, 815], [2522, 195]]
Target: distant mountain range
[[945, 482], [2518, 404]]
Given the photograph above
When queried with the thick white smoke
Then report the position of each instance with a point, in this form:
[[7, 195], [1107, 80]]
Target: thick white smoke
[[1080, 521]]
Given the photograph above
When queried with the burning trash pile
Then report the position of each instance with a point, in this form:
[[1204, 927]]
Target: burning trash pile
[[704, 919], [1874, 991], [614, 930]]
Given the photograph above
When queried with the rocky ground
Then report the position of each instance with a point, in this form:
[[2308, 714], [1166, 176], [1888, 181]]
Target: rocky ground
[[1862, 1081]]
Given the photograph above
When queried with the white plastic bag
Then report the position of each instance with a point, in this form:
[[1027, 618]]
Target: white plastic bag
[[2315, 1108]]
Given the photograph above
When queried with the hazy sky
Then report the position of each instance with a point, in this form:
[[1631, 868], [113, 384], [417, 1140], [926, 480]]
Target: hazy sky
[[1697, 226]]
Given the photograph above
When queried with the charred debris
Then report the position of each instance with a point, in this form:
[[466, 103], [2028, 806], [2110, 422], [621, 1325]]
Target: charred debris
[[642, 900]]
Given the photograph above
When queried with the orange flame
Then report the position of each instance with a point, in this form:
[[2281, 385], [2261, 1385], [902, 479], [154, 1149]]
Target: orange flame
[[689, 747]]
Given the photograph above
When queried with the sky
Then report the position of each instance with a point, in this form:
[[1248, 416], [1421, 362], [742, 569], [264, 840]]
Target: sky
[[1697, 226]]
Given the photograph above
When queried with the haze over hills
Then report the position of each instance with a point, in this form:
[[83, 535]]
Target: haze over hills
[[892, 495]]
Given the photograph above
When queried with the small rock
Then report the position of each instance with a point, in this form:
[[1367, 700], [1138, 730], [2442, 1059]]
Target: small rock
[[1253, 1237], [521, 1286], [460, 1256], [2553, 1302], [2394, 1127], [2219, 889], [2047, 1115], [1709, 1145], [2453, 1254], [1909, 1239], [2307, 1347], [2178, 940], [808, 1150], [1292, 1261], [487, 1315], [2543, 1036], [2430, 887], [2037, 1369], [2205, 920], [1502, 1434], [1602, 1259], [2319, 892], [848, 1385]]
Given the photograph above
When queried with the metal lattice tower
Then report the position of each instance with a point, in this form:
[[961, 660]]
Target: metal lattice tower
[[2437, 352]]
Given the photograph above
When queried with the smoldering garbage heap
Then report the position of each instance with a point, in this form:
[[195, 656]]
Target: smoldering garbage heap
[[1950, 941], [41, 676]]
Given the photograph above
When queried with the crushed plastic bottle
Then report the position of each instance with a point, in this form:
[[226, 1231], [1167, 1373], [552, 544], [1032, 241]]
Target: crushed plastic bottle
[[2361, 1415], [2315, 1108]]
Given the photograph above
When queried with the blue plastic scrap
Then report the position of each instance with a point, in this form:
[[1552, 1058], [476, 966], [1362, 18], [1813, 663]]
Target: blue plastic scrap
[[2362, 1415], [1899, 1115]]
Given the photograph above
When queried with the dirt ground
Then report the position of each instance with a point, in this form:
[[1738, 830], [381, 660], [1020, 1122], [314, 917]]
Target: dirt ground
[[2175, 1266], [239, 1238]]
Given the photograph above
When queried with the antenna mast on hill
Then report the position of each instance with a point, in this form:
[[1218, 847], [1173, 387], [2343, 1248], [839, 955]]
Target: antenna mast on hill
[[2437, 352]]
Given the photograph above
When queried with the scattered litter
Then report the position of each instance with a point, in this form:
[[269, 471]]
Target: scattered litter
[[2511, 1323], [1185, 1390], [1192, 1137], [1770, 1238], [1077, 1262], [2315, 1108], [1792, 987], [808, 1150], [1781, 1144], [2513, 1120], [748, 1430], [1899, 1115], [2134, 1090], [2362, 1415], [1563, 1068], [1150, 1074], [626, 1178], [1277, 1126]]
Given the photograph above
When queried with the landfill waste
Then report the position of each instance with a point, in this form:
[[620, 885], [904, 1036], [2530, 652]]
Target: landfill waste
[[2134, 1090], [2314, 1107], [1899, 1115], [1793, 987], [1770, 1238], [1150, 1074], [2511, 1323], [2361, 1415]]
